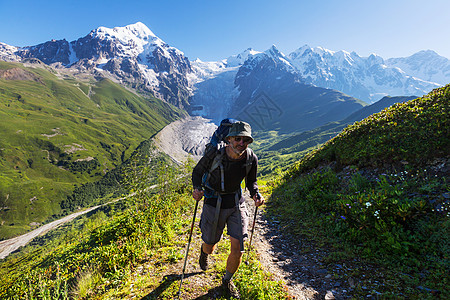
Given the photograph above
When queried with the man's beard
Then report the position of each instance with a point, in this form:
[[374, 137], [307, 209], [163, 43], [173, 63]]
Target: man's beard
[[237, 151]]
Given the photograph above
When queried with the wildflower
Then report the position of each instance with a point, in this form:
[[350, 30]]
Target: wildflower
[[368, 204], [377, 214], [343, 217]]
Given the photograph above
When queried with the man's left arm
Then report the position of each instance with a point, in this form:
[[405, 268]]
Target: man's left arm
[[252, 184]]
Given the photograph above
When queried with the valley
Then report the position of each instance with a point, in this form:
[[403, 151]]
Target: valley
[[100, 135]]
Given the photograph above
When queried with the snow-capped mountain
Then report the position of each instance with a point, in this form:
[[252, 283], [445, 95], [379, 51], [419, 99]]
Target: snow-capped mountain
[[8, 53], [217, 85], [136, 57], [132, 54], [427, 65], [265, 89], [273, 96], [366, 78], [239, 59]]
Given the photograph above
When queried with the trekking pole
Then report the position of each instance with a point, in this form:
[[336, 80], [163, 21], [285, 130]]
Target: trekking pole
[[251, 234], [187, 249]]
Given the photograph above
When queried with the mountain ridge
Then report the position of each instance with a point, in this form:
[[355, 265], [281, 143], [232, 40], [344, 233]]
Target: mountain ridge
[[135, 56], [437, 68], [58, 131]]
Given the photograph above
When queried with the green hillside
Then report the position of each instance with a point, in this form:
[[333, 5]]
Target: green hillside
[[58, 132], [376, 199], [132, 248], [278, 152], [414, 132]]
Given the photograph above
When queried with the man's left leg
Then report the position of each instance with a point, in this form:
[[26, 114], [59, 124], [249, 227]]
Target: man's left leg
[[233, 262], [234, 259]]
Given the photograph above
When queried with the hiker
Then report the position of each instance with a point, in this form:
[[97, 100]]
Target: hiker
[[223, 186]]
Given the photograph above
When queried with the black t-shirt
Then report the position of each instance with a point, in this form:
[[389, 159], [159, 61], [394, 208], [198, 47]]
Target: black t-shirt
[[234, 173]]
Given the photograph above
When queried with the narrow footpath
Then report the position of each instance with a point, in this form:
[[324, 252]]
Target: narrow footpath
[[294, 261], [302, 272]]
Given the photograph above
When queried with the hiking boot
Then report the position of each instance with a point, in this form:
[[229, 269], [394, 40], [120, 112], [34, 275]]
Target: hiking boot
[[230, 289], [203, 260]]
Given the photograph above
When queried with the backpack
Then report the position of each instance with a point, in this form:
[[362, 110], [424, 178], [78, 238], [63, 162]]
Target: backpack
[[220, 134], [218, 144]]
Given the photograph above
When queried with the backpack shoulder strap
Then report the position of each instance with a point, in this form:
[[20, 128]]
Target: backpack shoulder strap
[[217, 163], [249, 161]]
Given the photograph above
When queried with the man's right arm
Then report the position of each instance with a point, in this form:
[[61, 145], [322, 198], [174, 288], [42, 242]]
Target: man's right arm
[[197, 174]]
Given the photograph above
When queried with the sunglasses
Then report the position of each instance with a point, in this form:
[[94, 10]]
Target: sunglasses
[[245, 139]]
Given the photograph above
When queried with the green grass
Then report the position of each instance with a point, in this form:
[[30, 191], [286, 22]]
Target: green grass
[[54, 136], [376, 192], [98, 257], [414, 132]]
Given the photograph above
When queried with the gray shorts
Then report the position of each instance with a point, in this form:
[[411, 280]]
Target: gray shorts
[[229, 216]]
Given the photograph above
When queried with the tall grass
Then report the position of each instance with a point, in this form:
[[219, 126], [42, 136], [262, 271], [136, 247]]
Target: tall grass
[[379, 191], [97, 255]]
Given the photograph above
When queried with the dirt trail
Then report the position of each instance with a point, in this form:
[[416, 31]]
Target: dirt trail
[[298, 263], [11, 245], [295, 262]]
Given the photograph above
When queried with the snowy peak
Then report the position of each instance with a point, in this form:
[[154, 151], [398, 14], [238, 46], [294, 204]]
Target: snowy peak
[[426, 64], [132, 41], [133, 31], [8, 53], [426, 55], [271, 56], [132, 54], [300, 52], [239, 59], [274, 52], [366, 78], [323, 57], [375, 59]]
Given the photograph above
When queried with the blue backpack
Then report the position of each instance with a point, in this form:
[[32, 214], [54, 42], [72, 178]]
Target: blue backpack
[[220, 134]]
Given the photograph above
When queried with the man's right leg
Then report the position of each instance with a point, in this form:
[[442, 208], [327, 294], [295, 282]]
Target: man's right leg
[[206, 226], [205, 250]]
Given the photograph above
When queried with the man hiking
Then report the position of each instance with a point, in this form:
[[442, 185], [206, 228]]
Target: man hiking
[[218, 176]]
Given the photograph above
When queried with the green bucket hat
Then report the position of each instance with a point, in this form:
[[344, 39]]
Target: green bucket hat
[[241, 128]]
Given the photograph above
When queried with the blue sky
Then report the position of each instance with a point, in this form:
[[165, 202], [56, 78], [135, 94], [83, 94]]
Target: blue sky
[[213, 30]]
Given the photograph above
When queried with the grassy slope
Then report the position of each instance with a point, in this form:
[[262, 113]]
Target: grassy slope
[[133, 248], [98, 120], [416, 131], [379, 191], [278, 152]]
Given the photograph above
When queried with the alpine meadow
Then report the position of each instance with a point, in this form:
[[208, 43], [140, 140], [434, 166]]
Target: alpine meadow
[[103, 133], [60, 133]]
